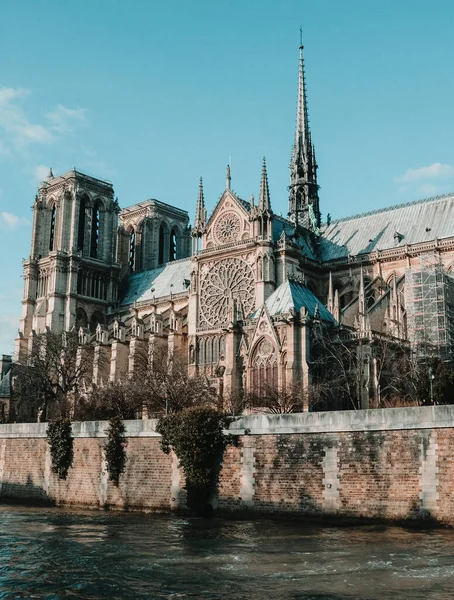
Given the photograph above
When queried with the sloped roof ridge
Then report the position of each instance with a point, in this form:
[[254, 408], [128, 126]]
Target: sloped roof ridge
[[245, 203], [388, 208], [161, 267]]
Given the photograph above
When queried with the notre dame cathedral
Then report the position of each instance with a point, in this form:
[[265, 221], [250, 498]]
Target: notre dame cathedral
[[237, 292]]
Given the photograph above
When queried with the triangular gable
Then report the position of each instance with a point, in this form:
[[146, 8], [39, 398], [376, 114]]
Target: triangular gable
[[264, 327], [229, 222], [228, 200]]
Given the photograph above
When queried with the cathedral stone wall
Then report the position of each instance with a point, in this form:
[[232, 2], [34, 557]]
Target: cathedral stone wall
[[392, 464]]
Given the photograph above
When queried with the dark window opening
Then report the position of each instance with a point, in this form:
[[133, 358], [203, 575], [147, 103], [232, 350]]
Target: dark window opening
[[132, 250], [95, 232], [81, 230], [52, 228]]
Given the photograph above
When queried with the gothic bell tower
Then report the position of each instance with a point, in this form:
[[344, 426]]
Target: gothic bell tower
[[71, 276]]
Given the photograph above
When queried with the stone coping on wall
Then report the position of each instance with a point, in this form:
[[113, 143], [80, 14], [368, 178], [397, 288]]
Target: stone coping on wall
[[81, 429], [386, 419]]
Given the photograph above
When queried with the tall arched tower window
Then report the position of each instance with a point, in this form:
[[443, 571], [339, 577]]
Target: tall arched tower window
[[81, 228], [132, 250], [53, 219], [95, 230], [161, 244], [264, 371], [173, 246]]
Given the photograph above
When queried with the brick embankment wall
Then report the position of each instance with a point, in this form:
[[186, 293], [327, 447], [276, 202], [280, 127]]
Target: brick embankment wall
[[388, 464], [26, 473]]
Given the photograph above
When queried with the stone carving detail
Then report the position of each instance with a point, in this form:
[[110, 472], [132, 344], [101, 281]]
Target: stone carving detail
[[227, 228], [265, 348], [265, 353], [229, 281]]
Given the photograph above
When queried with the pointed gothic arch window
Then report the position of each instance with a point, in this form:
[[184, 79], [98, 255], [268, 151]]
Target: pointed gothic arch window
[[81, 318], [53, 219], [132, 250], [264, 369], [81, 227], [96, 318], [95, 230]]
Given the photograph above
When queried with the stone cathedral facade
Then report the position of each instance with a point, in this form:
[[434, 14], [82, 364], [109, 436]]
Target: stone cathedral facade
[[237, 292]]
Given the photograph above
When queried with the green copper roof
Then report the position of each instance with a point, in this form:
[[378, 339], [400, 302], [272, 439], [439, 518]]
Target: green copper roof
[[292, 295]]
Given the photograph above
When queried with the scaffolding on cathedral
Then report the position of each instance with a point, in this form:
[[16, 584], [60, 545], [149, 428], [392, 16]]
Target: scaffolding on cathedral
[[429, 293]]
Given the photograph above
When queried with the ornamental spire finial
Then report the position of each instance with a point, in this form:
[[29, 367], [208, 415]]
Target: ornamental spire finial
[[200, 212], [264, 200], [228, 178]]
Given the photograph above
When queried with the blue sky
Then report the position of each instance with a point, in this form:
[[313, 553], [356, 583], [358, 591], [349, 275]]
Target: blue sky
[[152, 95]]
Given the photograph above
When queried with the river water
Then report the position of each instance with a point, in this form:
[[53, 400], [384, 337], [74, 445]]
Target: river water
[[54, 553]]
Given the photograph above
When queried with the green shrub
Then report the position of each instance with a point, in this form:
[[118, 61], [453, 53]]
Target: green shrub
[[196, 436], [114, 449], [60, 440]]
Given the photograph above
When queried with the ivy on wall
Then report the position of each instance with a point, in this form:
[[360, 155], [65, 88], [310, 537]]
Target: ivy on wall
[[114, 449], [197, 438], [60, 440]]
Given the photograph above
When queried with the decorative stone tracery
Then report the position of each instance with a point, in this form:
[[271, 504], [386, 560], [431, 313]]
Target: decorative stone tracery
[[264, 368], [228, 287], [227, 228]]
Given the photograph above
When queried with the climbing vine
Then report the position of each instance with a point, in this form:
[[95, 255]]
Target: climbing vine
[[60, 440], [114, 449], [197, 438]]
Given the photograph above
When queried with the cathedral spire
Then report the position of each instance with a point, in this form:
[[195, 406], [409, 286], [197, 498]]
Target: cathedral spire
[[264, 200], [200, 211], [303, 200], [301, 149]]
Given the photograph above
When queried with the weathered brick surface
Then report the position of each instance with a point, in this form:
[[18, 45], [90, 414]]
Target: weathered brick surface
[[391, 474], [289, 473], [23, 468], [230, 479], [146, 481], [445, 486], [379, 473], [82, 483]]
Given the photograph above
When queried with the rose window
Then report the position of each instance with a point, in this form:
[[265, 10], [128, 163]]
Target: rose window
[[228, 286], [227, 228]]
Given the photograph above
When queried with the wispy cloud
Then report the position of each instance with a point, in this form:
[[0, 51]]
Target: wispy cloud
[[64, 120], [434, 171], [18, 131], [11, 221], [41, 172]]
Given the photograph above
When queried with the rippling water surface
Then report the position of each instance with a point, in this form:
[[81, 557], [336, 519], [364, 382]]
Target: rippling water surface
[[53, 553]]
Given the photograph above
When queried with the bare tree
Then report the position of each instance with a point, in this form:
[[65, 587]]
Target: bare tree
[[346, 366], [124, 399], [275, 400], [46, 384], [337, 367], [170, 388], [159, 385]]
